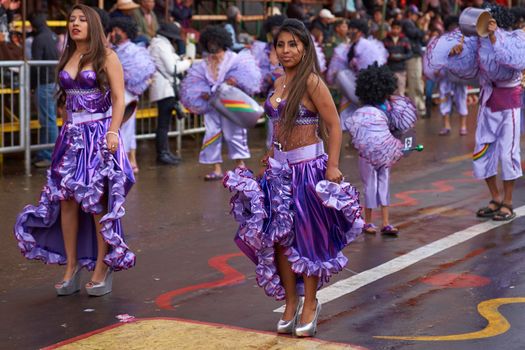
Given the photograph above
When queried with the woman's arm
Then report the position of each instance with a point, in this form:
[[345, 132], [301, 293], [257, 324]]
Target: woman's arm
[[116, 83], [321, 98]]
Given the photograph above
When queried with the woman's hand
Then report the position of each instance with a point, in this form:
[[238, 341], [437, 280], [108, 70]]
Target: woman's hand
[[333, 174], [205, 96], [231, 81], [491, 28], [458, 49], [112, 141]]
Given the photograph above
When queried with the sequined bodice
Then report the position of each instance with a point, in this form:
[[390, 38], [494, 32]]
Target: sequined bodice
[[82, 92], [305, 117]]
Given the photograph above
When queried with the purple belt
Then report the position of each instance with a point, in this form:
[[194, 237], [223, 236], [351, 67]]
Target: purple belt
[[503, 98], [299, 154], [87, 117]]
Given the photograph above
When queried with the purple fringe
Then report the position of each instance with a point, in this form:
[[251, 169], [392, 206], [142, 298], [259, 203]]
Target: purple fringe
[[138, 67], [368, 51], [246, 73], [193, 86], [403, 113]]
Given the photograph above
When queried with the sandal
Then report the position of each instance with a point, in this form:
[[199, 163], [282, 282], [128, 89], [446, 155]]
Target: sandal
[[463, 132], [488, 212], [213, 177], [390, 230], [444, 132], [504, 216], [370, 229]]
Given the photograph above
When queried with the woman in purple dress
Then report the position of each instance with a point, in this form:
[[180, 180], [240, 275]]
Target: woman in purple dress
[[77, 222], [296, 219]]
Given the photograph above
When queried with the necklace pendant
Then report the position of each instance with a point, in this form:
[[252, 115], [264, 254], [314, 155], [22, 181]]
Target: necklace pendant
[[278, 100]]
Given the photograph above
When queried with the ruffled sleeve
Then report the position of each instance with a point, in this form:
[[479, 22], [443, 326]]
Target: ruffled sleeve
[[368, 51], [437, 62], [138, 68], [372, 138], [402, 114], [509, 49], [193, 86], [246, 73], [338, 62]]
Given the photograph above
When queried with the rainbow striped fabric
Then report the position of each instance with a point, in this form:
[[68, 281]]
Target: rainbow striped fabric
[[237, 106], [211, 140], [481, 152]]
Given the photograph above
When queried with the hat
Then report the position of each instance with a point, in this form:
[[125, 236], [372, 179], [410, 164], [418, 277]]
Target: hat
[[169, 30], [413, 9], [126, 5], [325, 13]]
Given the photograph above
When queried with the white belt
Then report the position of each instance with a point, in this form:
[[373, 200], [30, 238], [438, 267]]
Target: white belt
[[86, 117]]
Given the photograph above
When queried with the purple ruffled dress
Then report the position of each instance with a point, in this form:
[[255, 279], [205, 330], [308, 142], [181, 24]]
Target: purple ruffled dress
[[294, 206], [82, 169]]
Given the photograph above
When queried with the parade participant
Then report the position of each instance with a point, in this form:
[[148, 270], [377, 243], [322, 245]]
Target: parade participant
[[498, 62], [371, 128], [361, 52], [78, 219], [296, 219], [221, 65], [452, 93], [138, 71]]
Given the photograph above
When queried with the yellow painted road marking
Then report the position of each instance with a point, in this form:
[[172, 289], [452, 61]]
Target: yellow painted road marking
[[152, 334], [458, 159], [488, 309]]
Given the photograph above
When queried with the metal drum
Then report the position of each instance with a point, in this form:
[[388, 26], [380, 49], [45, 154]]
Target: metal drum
[[474, 22], [346, 81], [236, 105]]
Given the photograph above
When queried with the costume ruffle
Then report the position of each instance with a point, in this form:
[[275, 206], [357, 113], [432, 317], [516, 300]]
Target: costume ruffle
[[193, 86], [137, 65], [245, 72], [44, 220], [458, 68], [368, 51], [265, 211], [509, 49], [402, 114], [372, 138], [338, 62]]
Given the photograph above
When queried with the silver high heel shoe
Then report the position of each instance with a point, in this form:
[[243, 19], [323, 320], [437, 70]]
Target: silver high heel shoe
[[98, 289], [70, 286], [287, 327], [309, 329]]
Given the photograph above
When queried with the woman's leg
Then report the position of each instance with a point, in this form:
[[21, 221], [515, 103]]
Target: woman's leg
[[310, 299], [288, 280], [69, 222], [102, 249]]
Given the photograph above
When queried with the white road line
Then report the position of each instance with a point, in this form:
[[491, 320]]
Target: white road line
[[364, 278]]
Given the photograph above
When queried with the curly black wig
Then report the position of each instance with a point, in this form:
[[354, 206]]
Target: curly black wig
[[519, 15], [272, 22], [215, 34], [375, 84], [359, 24], [451, 22], [104, 18], [126, 24], [504, 18]]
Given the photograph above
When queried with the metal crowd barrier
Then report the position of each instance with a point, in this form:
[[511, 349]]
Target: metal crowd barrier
[[21, 84]]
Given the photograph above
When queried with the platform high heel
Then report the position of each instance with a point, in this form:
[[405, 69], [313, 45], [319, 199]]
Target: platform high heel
[[309, 329], [70, 286], [98, 289], [287, 327]]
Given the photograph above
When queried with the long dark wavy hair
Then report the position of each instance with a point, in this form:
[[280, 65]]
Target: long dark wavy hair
[[298, 86], [96, 55]]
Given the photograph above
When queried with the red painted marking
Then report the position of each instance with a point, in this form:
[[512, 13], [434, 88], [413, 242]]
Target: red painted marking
[[220, 263], [457, 280], [107, 328]]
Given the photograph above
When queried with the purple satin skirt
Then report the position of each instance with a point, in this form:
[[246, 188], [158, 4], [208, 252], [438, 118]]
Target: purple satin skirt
[[283, 207], [84, 170]]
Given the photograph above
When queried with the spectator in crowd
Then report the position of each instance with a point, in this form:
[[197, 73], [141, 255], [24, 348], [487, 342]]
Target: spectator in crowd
[[104, 18], [414, 65], [123, 8], [399, 52], [7, 11], [340, 37], [12, 50], [44, 48], [234, 16], [146, 19], [519, 14], [379, 27], [343, 8], [324, 22], [167, 64], [441, 7], [182, 12], [296, 9], [138, 70]]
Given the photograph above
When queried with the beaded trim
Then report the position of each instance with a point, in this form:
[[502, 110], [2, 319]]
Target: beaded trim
[[82, 91]]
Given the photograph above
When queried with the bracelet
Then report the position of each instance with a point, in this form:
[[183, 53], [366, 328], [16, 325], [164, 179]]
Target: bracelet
[[112, 132]]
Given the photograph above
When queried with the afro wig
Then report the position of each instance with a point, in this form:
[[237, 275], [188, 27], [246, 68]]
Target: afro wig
[[126, 24], [217, 35], [504, 18], [359, 24], [451, 23], [375, 84]]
